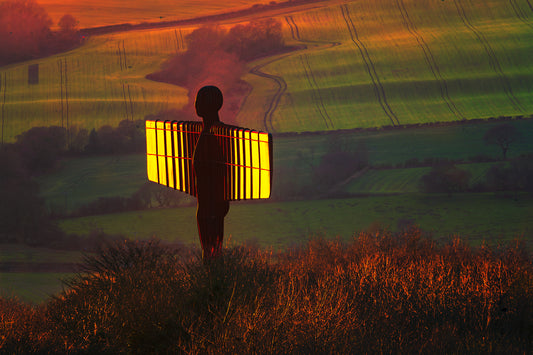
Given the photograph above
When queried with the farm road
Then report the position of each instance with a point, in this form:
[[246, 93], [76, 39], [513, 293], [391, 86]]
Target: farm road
[[282, 85], [281, 88]]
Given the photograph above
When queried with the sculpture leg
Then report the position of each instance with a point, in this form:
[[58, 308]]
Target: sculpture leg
[[211, 232]]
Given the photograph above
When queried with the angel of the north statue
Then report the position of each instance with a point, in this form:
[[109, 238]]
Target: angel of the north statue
[[212, 161]]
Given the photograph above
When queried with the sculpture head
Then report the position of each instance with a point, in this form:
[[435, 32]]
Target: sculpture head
[[208, 102]]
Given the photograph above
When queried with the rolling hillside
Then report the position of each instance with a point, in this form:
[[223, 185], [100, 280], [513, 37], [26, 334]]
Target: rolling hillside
[[104, 13], [361, 64]]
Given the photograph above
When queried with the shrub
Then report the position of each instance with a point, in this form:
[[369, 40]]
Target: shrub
[[380, 293], [445, 179], [25, 32]]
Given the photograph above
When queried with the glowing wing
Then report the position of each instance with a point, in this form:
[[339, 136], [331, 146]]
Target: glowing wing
[[247, 157]]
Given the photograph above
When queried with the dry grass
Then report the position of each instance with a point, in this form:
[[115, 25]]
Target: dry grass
[[381, 293]]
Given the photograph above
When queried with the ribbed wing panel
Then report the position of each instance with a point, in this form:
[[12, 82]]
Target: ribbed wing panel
[[247, 157]]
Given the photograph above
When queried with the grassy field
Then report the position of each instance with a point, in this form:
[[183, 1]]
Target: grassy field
[[81, 181], [100, 83], [476, 217], [33, 287], [23, 254], [394, 181], [103, 13], [382, 63], [366, 64]]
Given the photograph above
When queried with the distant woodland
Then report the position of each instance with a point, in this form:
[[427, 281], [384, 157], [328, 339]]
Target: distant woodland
[[25, 32]]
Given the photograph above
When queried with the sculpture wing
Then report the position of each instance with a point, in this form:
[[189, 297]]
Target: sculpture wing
[[247, 156]]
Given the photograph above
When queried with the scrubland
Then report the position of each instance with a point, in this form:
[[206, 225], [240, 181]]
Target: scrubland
[[378, 293]]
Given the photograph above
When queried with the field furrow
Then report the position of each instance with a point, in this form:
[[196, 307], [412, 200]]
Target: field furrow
[[430, 60], [520, 13], [378, 87], [317, 99], [493, 59], [315, 89]]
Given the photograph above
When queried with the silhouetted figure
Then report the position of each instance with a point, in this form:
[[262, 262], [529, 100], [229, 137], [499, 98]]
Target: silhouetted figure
[[208, 165]]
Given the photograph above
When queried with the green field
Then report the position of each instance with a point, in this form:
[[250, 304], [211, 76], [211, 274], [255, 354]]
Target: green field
[[395, 181], [97, 84], [475, 217], [81, 181], [33, 286], [366, 64], [382, 63]]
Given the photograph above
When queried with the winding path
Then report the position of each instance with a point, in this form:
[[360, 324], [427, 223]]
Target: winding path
[[282, 85], [281, 88]]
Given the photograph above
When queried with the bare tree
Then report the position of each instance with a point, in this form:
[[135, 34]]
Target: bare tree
[[503, 136]]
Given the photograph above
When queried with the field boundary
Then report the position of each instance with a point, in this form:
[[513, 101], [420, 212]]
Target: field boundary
[[407, 126], [254, 9]]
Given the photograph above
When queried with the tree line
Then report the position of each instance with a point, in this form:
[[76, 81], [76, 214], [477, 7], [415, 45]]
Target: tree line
[[24, 214], [25, 32]]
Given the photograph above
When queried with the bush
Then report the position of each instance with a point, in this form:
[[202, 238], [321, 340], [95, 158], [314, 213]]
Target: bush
[[339, 163], [515, 176], [25, 32], [445, 179], [380, 293]]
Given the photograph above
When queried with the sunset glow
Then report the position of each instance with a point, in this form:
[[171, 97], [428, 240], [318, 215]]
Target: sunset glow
[[104, 13]]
